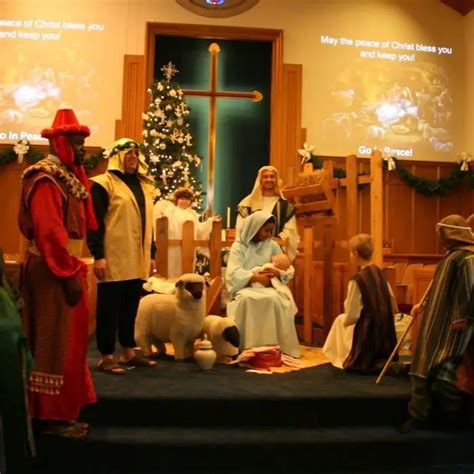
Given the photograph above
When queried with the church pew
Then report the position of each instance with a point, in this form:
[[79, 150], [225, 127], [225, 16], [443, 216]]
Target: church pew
[[421, 279]]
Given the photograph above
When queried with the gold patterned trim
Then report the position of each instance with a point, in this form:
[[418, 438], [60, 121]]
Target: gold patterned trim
[[47, 165], [45, 383]]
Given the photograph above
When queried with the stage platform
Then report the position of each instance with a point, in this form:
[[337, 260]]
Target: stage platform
[[175, 419]]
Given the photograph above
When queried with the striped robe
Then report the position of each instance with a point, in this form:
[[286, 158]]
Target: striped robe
[[374, 334], [451, 298]]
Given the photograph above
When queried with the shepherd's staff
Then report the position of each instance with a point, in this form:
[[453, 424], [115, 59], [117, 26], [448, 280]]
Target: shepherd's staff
[[402, 338]]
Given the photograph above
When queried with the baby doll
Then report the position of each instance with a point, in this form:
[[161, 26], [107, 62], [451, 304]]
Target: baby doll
[[282, 264]]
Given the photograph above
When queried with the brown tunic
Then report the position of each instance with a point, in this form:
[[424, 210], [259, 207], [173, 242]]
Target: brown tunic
[[374, 334]]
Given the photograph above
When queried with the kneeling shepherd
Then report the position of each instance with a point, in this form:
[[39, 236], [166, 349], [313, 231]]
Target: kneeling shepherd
[[363, 337]]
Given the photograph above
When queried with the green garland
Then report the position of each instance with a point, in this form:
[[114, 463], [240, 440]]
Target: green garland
[[318, 164], [425, 186], [93, 160], [126, 145], [9, 156], [439, 187]]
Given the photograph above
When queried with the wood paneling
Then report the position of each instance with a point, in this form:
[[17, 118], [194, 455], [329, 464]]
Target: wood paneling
[[422, 279], [422, 212], [410, 217], [10, 181], [291, 123], [133, 98], [10, 188], [397, 232]]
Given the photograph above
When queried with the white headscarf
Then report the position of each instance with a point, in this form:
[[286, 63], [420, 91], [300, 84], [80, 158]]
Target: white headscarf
[[254, 199]]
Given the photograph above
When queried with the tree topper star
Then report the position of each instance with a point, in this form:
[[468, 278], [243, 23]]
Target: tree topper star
[[169, 70]]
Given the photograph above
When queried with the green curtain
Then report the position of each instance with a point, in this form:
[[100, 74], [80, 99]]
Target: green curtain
[[243, 127]]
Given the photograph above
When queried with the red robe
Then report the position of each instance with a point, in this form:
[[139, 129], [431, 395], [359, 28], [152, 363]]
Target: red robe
[[46, 207]]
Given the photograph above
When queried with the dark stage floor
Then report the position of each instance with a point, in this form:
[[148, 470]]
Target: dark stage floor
[[175, 418]]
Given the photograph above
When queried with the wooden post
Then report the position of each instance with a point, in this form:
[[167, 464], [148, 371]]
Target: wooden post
[[328, 166], [187, 245], [215, 249], [161, 255], [307, 287], [328, 283], [376, 205], [352, 203]]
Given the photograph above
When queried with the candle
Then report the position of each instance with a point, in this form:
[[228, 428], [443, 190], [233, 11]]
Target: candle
[[228, 218]]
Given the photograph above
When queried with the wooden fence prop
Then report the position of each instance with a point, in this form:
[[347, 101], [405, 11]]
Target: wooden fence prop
[[188, 246]]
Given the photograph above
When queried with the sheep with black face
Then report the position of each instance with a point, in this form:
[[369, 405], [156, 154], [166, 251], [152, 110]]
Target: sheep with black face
[[223, 334], [176, 318]]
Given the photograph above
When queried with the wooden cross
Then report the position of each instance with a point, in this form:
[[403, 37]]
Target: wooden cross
[[213, 95]]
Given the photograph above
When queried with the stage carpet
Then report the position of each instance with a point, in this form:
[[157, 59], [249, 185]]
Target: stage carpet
[[177, 419]]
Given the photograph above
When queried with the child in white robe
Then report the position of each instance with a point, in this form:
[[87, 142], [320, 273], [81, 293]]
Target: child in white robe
[[177, 215]]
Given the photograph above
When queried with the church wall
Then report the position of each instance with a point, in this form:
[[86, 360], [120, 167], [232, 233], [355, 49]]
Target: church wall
[[469, 24], [428, 22], [303, 21]]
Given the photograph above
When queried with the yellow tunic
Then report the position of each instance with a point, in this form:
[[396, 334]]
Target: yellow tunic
[[127, 253]]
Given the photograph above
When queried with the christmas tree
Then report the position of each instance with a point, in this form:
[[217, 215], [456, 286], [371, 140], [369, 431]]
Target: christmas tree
[[168, 140]]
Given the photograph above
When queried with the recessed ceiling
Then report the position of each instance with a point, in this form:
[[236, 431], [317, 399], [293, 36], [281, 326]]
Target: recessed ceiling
[[217, 8], [461, 6]]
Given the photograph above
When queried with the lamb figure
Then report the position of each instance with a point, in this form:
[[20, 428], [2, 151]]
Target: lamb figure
[[223, 334], [176, 318]]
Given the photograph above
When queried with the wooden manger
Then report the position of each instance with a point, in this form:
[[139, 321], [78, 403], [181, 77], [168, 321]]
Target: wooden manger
[[315, 205], [316, 200]]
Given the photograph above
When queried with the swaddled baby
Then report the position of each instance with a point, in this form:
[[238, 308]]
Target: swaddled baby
[[281, 263]]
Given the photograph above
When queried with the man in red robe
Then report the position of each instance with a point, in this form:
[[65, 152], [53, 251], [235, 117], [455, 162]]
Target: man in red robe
[[55, 212]]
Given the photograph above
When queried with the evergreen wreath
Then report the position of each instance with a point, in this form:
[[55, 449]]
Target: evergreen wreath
[[430, 187], [92, 161], [31, 156]]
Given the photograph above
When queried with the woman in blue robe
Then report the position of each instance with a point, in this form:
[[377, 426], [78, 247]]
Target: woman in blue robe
[[264, 316]]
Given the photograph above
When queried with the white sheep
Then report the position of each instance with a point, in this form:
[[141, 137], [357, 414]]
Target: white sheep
[[223, 334], [177, 318]]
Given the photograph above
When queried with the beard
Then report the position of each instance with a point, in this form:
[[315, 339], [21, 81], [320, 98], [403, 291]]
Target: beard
[[78, 160]]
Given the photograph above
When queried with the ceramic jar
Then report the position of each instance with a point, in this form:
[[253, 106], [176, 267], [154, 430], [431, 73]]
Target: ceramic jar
[[205, 355]]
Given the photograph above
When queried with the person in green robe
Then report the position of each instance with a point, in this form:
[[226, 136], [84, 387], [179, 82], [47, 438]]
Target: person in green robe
[[15, 364]]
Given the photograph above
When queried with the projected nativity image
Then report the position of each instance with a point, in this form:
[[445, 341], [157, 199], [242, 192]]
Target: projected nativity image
[[47, 65], [394, 100]]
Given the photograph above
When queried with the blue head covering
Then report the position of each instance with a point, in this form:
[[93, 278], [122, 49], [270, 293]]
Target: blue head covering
[[251, 225]]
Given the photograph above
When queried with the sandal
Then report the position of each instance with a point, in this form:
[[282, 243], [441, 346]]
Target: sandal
[[80, 424], [109, 366], [68, 431], [137, 361]]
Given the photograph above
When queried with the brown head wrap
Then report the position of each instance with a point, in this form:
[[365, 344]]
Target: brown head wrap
[[454, 231]]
